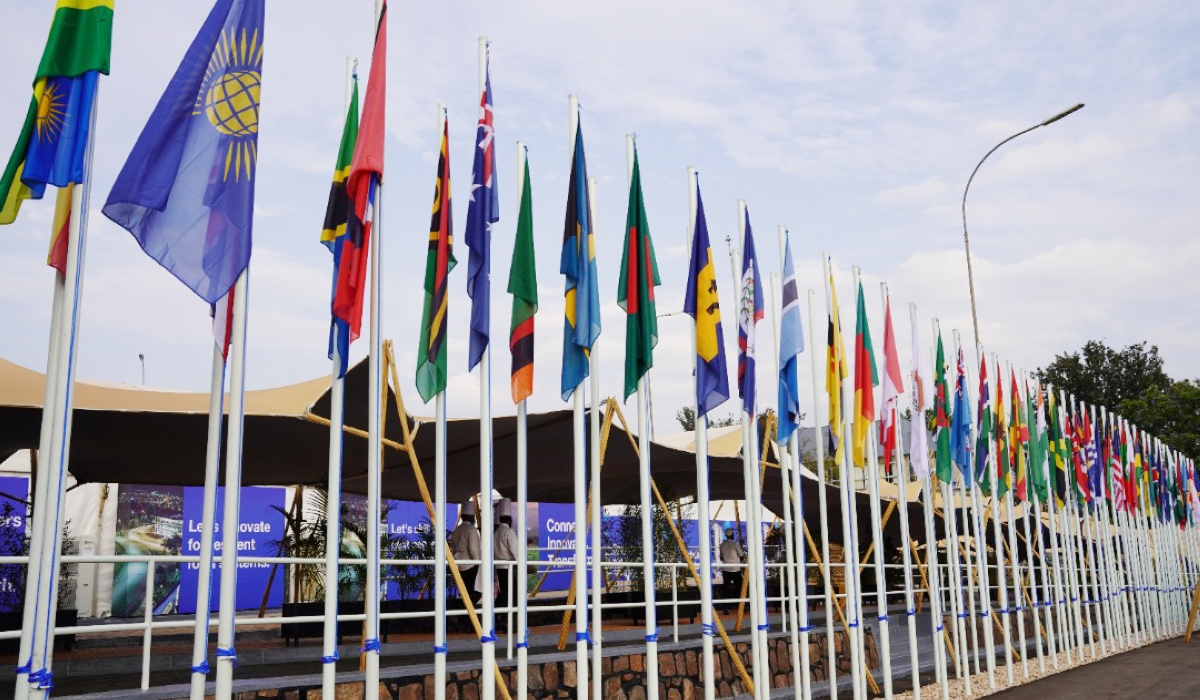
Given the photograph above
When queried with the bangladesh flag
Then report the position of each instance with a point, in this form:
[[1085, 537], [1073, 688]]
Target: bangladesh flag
[[635, 294]]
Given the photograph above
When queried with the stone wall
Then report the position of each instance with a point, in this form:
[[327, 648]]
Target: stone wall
[[624, 675]]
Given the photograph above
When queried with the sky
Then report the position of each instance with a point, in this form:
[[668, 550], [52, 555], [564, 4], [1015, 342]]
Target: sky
[[854, 124]]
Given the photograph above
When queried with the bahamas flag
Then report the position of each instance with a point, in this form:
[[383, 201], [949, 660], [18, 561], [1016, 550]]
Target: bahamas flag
[[53, 139], [581, 324], [337, 215], [702, 304], [186, 193]]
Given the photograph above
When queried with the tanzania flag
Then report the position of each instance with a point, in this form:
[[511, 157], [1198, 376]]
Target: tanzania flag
[[866, 378], [53, 140], [835, 372], [337, 214], [482, 211], [941, 416], [983, 442], [431, 356], [635, 292], [1019, 440], [703, 305], [581, 323], [522, 285]]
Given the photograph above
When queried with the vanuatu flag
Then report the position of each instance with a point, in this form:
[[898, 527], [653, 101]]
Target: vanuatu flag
[[865, 380], [522, 285], [53, 139], [431, 356], [337, 214], [635, 292], [941, 416], [703, 305], [835, 372]]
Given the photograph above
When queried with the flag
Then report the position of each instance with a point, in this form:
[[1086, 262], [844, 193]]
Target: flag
[[960, 423], [983, 442], [1019, 441], [581, 323], [522, 285], [835, 372], [750, 312], [186, 193], [791, 344], [865, 381], [333, 231], [1095, 461], [53, 139], [60, 230], [1003, 456], [1116, 470], [704, 306], [635, 292], [431, 356], [1038, 446], [918, 449], [482, 211], [1058, 450], [941, 419], [362, 187]]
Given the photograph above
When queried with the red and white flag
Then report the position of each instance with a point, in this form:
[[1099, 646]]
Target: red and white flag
[[893, 386]]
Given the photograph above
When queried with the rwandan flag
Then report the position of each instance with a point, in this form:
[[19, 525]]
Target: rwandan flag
[[53, 140], [581, 324], [337, 214], [186, 193], [635, 292], [522, 285], [750, 312], [866, 378], [482, 211], [702, 304], [431, 356], [835, 372], [791, 344], [960, 423], [941, 416], [362, 187]]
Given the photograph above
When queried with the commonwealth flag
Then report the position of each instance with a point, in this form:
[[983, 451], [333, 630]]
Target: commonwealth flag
[[703, 305], [53, 139], [522, 285], [581, 323], [865, 381], [431, 356], [635, 292], [337, 214], [835, 372], [482, 211], [750, 312], [186, 193], [791, 344]]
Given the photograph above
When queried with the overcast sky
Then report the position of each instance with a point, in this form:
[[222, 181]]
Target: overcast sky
[[855, 124]]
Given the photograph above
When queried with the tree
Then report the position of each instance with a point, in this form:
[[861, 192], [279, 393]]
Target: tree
[[687, 418], [1102, 376], [1172, 415]]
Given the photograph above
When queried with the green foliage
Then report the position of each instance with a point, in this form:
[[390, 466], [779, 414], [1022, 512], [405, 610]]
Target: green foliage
[[622, 539], [687, 418]]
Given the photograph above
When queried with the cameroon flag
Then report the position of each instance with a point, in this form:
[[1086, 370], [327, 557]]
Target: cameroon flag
[[431, 357], [865, 381], [522, 285], [635, 292]]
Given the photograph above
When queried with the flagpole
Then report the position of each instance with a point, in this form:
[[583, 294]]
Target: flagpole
[[1014, 561], [1048, 594], [522, 500], [226, 654], [938, 625], [954, 563], [1098, 560], [1001, 576], [597, 506], [822, 504], [985, 591], [1061, 610], [1067, 516], [971, 554], [785, 468], [1030, 493], [333, 497], [902, 497], [439, 542]]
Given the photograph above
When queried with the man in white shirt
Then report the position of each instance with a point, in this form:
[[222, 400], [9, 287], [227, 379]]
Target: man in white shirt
[[507, 547], [464, 545], [731, 552]]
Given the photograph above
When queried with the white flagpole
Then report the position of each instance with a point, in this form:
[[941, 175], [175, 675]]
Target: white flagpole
[[1095, 558], [522, 500], [933, 575], [1059, 595], [597, 508], [1014, 561], [998, 546], [822, 500], [704, 519], [439, 542], [212, 459], [580, 533], [954, 565], [333, 498], [1068, 517], [486, 519], [985, 594], [971, 553], [1048, 594], [1030, 493], [226, 654], [885, 636], [785, 468]]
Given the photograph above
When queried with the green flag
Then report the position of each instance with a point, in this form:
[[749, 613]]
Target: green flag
[[635, 293], [522, 284], [941, 424]]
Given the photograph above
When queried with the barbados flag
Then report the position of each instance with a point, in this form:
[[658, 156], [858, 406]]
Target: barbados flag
[[702, 304], [186, 193], [53, 140], [581, 324]]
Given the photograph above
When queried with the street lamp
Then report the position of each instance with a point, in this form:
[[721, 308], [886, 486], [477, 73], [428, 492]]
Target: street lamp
[[142, 359], [966, 238]]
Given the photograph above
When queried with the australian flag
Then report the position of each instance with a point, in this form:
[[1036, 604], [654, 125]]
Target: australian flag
[[482, 212]]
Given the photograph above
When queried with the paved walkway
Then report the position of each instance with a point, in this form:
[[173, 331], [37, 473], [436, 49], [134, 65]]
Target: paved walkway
[[1167, 670]]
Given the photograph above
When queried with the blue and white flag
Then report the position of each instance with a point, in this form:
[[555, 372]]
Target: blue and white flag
[[791, 344], [750, 312]]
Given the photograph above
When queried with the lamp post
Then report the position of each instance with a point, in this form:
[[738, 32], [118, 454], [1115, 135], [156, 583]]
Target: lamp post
[[967, 238], [142, 359]]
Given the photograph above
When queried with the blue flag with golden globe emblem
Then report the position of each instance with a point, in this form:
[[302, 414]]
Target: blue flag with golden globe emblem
[[186, 193], [703, 305]]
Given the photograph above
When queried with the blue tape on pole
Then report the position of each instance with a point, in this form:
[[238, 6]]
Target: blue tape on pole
[[709, 629], [26, 667], [652, 637], [522, 645], [808, 628], [854, 624], [883, 618], [331, 659], [941, 628], [584, 637], [372, 645], [963, 616], [985, 613], [764, 628], [1020, 609], [439, 649], [43, 679], [201, 668], [229, 653], [488, 638], [1004, 611], [911, 613]]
